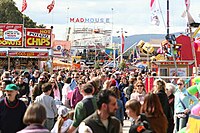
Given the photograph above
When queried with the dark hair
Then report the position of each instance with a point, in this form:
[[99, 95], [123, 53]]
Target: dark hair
[[103, 97], [35, 113], [46, 87], [116, 91], [134, 105], [68, 80], [87, 88], [96, 83], [152, 105]]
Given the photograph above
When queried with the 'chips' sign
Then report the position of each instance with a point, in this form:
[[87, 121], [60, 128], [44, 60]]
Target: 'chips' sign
[[37, 37], [11, 35]]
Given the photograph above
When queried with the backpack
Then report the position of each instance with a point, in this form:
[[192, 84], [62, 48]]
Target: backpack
[[142, 125]]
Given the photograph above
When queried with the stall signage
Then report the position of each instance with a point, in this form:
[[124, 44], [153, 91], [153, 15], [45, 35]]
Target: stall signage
[[89, 20], [11, 35], [37, 37], [171, 63], [3, 54], [29, 54]]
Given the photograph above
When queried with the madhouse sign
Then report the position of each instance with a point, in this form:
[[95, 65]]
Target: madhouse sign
[[89, 20]]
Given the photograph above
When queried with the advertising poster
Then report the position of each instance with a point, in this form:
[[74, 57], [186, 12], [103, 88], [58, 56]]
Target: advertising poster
[[38, 38], [181, 71], [11, 35]]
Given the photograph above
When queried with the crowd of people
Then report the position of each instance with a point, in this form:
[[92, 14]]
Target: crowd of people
[[93, 101]]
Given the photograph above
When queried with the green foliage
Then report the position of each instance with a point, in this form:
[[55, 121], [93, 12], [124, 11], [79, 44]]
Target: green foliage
[[9, 13], [96, 65], [122, 65]]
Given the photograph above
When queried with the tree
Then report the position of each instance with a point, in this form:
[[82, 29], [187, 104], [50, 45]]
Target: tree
[[9, 13], [96, 65], [122, 65]]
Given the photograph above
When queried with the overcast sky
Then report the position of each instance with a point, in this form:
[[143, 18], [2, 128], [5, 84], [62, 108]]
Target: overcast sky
[[131, 15]]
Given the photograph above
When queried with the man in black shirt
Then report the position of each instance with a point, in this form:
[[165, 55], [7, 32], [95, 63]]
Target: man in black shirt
[[11, 111]]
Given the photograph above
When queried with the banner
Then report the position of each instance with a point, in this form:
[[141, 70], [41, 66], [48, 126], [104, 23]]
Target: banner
[[11, 35], [28, 54], [51, 6], [154, 12], [38, 38], [24, 5]]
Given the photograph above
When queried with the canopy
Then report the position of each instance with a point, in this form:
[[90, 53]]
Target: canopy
[[58, 63]]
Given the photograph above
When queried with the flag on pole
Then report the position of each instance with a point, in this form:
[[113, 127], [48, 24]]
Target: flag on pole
[[187, 4], [24, 5], [136, 53], [122, 43], [51, 6], [154, 12]]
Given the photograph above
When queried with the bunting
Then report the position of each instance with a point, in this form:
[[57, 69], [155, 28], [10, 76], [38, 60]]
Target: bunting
[[154, 12], [24, 5], [51, 6]]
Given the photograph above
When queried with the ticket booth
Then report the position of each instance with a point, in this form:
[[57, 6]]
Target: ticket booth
[[167, 68]]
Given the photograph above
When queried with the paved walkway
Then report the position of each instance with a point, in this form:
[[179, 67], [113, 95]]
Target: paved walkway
[[126, 126]]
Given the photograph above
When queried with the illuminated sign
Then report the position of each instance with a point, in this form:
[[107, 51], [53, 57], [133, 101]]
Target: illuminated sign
[[37, 37], [89, 20], [30, 54], [11, 35]]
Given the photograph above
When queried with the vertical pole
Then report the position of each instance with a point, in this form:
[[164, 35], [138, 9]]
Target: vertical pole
[[171, 47], [51, 57], [8, 62], [167, 17], [121, 44], [192, 46], [113, 46]]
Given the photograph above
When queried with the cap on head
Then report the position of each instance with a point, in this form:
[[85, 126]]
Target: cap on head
[[63, 111], [11, 87]]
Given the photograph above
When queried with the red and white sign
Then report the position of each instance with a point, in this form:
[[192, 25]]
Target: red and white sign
[[28, 54], [11, 35], [38, 38]]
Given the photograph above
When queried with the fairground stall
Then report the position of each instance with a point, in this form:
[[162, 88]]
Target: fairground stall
[[24, 52]]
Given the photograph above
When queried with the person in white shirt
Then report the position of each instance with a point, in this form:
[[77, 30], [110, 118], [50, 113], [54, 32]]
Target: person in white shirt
[[63, 122], [49, 104]]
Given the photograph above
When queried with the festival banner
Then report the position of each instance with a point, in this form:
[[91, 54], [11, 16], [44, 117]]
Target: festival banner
[[11, 35], [38, 38], [51, 6], [24, 5], [28, 54]]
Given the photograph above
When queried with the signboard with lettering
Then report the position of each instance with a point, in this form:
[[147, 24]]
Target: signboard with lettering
[[11, 35], [38, 38], [89, 20], [28, 54], [181, 71]]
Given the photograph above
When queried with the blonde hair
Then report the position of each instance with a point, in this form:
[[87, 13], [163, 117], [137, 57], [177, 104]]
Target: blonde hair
[[60, 121], [161, 85]]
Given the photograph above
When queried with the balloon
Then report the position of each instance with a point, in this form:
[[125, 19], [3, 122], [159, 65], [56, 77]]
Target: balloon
[[192, 90], [197, 79]]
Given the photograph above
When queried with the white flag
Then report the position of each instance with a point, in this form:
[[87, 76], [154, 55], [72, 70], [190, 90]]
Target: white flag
[[154, 12], [187, 4]]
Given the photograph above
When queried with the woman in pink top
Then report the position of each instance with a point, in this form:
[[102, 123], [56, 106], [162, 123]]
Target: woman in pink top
[[139, 91], [55, 88]]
